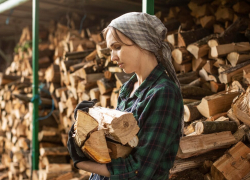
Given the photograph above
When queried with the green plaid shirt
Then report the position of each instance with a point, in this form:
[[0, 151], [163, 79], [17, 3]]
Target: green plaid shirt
[[157, 106]]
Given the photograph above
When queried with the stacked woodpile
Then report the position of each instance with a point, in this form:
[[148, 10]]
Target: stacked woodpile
[[210, 50]]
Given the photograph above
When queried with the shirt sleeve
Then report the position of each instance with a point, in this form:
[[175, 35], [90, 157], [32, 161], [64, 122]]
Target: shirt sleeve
[[160, 124]]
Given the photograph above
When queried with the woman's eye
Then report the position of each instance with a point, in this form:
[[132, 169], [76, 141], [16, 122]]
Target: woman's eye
[[117, 47]]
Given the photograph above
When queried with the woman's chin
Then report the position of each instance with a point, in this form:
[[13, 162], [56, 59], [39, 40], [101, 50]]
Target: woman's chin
[[127, 71]]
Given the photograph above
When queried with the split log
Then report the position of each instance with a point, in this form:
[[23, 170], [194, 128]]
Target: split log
[[241, 132], [77, 55], [240, 107], [226, 76], [216, 87], [186, 67], [210, 68], [232, 117], [181, 55], [233, 164], [52, 74], [47, 160], [83, 126], [241, 7], [94, 93], [200, 48], [96, 147], [246, 76], [105, 86], [208, 127], [121, 78], [224, 49], [53, 151], [236, 58], [118, 150], [195, 162], [207, 21], [197, 64], [5, 79], [224, 14], [217, 103], [191, 112], [209, 142], [119, 126], [186, 78], [105, 100], [216, 116]]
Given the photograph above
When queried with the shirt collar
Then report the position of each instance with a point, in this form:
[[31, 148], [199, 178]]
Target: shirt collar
[[147, 83]]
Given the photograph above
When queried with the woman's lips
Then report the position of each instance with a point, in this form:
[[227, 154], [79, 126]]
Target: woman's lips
[[120, 64]]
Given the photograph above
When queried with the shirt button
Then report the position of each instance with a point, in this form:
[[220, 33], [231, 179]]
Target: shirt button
[[136, 172]]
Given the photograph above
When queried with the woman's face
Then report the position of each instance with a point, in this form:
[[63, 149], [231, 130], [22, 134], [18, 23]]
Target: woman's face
[[128, 58]]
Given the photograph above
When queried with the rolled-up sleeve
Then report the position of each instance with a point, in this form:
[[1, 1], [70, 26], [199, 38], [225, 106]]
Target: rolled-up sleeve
[[159, 118]]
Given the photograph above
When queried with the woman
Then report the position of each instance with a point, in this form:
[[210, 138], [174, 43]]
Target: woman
[[153, 96]]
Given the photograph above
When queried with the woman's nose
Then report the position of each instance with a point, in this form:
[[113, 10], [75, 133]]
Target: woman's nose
[[114, 56]]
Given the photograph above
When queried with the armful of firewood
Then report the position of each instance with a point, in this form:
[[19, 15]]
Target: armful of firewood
[[93, 128]]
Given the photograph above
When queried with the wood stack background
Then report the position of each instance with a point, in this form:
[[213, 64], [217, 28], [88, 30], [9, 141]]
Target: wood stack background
[[210, 50]]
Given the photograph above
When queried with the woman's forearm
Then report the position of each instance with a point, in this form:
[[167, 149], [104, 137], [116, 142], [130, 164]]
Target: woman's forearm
[[94, 167]]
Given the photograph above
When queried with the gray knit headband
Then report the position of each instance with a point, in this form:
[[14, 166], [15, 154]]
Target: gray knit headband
[[148, 32]]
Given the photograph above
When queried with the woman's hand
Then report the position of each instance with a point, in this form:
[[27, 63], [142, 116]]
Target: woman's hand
[[94, 167], [84, 106], [75, 152]]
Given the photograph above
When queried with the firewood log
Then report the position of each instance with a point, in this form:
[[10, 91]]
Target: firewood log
[[226, 76], [246, 76], [235, 58], [216, 116], [181, 55], [224, 14], [118, 150], [195, 162], [216, 87], [52, 74], [206, 166], [209, 142], [83, 126], [223, 50], [77, 55], [186, 78], [186, 67], [240, 107], [216, 103], [105, 86], [230, 34], [241, 7], [119, 126], [208, 127], [191, 112], [224, 169], [189, 37], [241, 132], [96, 147], [232, 117], [194, 92], [53, 151]]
